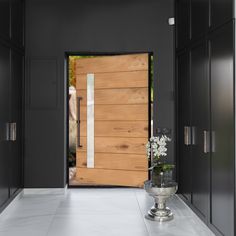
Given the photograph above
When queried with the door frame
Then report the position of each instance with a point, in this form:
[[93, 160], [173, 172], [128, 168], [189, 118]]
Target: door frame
[[89, 53]]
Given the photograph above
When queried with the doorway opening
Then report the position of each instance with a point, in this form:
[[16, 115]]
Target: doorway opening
[[110, 118]]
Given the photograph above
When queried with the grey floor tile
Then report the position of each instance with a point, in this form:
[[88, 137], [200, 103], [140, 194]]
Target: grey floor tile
[[185, 222], [96, 212], [103, 206], [95, 225], [25, 226]]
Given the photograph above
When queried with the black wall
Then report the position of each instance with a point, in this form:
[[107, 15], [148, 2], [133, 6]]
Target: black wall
[[54, 27]]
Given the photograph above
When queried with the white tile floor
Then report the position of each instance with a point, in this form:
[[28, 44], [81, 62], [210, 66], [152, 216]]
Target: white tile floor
[[96, 212]]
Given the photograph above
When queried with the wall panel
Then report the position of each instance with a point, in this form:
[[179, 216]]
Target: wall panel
[[43, 84], [115, 26]]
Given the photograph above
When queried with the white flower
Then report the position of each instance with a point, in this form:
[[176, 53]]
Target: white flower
[[157, 146]]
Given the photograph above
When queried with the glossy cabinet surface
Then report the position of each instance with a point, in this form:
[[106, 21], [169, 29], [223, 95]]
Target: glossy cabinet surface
[[222, 123], [11, 98], [221, 12], [197, 18], [5, 19], [4, 119], [183, 22], [16, 167], [200, 112], [206, 104], [12, 21], [17, 21], [200, 18], [184, 122]]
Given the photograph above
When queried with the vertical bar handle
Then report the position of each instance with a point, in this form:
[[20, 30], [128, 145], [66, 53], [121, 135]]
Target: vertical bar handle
[[7, 132], [193, 135], [206, 145], [13, 131], [78, 122], [187, 135], [213, 140]]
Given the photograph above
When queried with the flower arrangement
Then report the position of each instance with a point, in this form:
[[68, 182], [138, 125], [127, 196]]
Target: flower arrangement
[[156, 149]]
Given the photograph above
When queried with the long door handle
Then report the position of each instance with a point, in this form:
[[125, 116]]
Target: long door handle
[[78, 122], [206, 145], [187, 135]]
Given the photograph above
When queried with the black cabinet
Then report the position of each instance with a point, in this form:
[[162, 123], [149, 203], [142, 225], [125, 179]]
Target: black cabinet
[[221, 12], [196, 18], [183, 22], [11, 77], [199, 18], [193, 127], [11, 98], [5, 19], [17, 20], [206, 137], [222, 124], [12, 21], [184, 123], [16, 118], [200, 129], [4, 119]]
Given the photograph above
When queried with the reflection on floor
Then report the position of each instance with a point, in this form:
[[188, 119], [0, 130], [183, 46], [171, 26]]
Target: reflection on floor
[[96, 212]]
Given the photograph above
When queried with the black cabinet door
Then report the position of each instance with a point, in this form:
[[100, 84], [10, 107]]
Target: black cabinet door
[[200, 17], [5, 18], [183, 22], [4, 118], [16, 117], [200, 110], [17, 21], [222, 122], [221, 12], [183, 124]]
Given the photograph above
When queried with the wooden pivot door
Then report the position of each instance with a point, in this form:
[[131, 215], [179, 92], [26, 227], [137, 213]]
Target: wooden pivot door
[[113, 120]]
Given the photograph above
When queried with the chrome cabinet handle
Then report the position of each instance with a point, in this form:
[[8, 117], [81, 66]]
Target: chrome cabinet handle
[[193, 136], [187, 135], [7, 132], [213, 141], [10, 132], [13, 131], [78, 122], [206, 145]]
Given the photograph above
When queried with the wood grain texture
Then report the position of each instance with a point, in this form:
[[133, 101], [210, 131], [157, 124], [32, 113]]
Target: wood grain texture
[[119, 63], [116, 145], [111, 177], [117, 129], [114, 161], [133, 79], [116, 96], [117, 112], [121, 120]]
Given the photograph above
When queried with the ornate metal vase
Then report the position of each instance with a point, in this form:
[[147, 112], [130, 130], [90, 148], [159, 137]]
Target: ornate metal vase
[[160, 192]]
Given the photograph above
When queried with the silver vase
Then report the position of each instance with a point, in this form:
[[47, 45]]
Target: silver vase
[[159, 212]]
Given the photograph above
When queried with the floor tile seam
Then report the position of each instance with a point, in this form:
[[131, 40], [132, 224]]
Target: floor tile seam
[[142, 216], [50, 225], [26, 217], [193, 214]]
